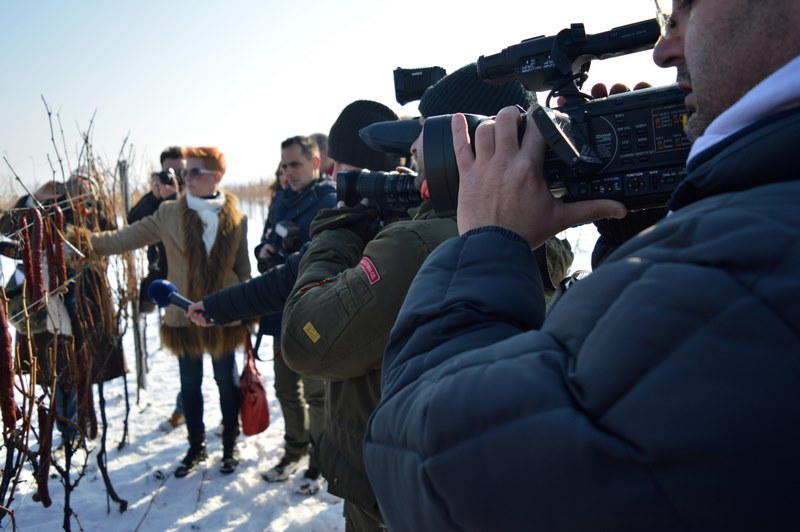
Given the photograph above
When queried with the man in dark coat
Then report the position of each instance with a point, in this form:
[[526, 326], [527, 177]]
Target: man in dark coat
[[302, 399], [165, 185], [661, 392]]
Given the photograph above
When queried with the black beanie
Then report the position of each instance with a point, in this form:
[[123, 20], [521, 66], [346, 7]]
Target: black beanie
[[344, 144], [464, 92]]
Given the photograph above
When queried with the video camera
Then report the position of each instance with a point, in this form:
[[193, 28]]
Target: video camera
[[628, 147], [390, 192]]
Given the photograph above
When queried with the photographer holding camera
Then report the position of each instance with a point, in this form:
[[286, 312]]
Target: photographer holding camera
[[350, 286], [660, 393], [164, 185]]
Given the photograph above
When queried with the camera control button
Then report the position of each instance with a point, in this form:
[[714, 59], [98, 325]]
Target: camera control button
[[635, 184]]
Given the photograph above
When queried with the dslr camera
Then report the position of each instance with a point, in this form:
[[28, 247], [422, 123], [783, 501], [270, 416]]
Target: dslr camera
[[290, 242], [168, 177], [628, 147]]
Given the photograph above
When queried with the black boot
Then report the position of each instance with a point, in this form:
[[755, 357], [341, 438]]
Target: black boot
[[230, 456], [196, 454]]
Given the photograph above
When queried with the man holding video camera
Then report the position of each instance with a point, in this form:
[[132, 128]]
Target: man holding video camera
[[660, 393], [350, 286]]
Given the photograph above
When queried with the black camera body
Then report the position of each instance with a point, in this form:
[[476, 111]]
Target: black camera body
[[390, 192], [168, 177], [290, 235], [290, 242], [627, 147]]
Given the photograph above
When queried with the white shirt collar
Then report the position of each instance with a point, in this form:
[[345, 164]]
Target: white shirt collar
[[777, 92]]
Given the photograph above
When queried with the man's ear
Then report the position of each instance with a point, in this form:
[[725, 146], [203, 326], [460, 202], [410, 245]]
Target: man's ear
[[317, 161], [217, 176]]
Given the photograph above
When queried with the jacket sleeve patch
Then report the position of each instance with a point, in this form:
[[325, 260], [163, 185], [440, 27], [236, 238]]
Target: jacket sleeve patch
[[369, 268], [311, 332]]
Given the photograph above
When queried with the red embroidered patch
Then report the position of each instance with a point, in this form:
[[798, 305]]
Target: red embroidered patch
[[372, 272]]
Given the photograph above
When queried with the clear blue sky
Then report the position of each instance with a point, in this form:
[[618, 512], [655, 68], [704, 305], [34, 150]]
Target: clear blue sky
[[244, 75]]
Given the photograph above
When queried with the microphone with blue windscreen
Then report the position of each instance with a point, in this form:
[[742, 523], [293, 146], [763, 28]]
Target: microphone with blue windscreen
[[163, 293]]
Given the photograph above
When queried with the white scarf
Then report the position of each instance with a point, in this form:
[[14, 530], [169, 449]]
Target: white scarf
[[777, 92], [208, 210]]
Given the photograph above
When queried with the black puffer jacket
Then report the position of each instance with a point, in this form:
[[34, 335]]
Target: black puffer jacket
[[660, 394]]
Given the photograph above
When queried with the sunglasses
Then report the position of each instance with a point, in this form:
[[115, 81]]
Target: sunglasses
[[195, 172]]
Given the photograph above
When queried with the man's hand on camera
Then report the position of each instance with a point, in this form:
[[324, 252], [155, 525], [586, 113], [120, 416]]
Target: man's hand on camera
[[168, 190], [195, 313], [503, 183], [599, 90]]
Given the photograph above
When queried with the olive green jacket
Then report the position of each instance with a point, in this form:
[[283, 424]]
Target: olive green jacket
[[336, 324]]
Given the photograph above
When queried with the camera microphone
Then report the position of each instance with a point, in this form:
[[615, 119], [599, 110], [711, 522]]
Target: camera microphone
[[163, 293]]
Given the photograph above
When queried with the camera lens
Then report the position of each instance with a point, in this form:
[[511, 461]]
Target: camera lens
[[167, 176], [389, 191], [441, 168]]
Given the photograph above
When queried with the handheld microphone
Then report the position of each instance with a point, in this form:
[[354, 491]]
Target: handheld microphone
[[163, 293]]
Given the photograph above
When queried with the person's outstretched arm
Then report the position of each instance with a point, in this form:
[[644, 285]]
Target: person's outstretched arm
[[265, 294]]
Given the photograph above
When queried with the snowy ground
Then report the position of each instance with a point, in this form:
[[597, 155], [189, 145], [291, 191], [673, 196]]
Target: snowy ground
[[204, 500]]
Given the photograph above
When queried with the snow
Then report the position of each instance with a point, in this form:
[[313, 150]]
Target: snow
[[206, 499]]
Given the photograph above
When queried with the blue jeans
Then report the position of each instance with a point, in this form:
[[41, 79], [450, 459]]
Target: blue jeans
[[178, 404], [191, 370], [179, 397], [66, 407]]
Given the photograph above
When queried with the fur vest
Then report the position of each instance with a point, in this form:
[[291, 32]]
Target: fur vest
[[194, 272], [206, 274]]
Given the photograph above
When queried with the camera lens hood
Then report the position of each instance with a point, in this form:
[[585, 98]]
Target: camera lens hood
[[440, 165], [393, 137]]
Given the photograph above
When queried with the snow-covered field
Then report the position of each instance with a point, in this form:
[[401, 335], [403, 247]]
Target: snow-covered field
[[205, 500]]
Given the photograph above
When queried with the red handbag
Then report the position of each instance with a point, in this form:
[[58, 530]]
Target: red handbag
[[253, 405]]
